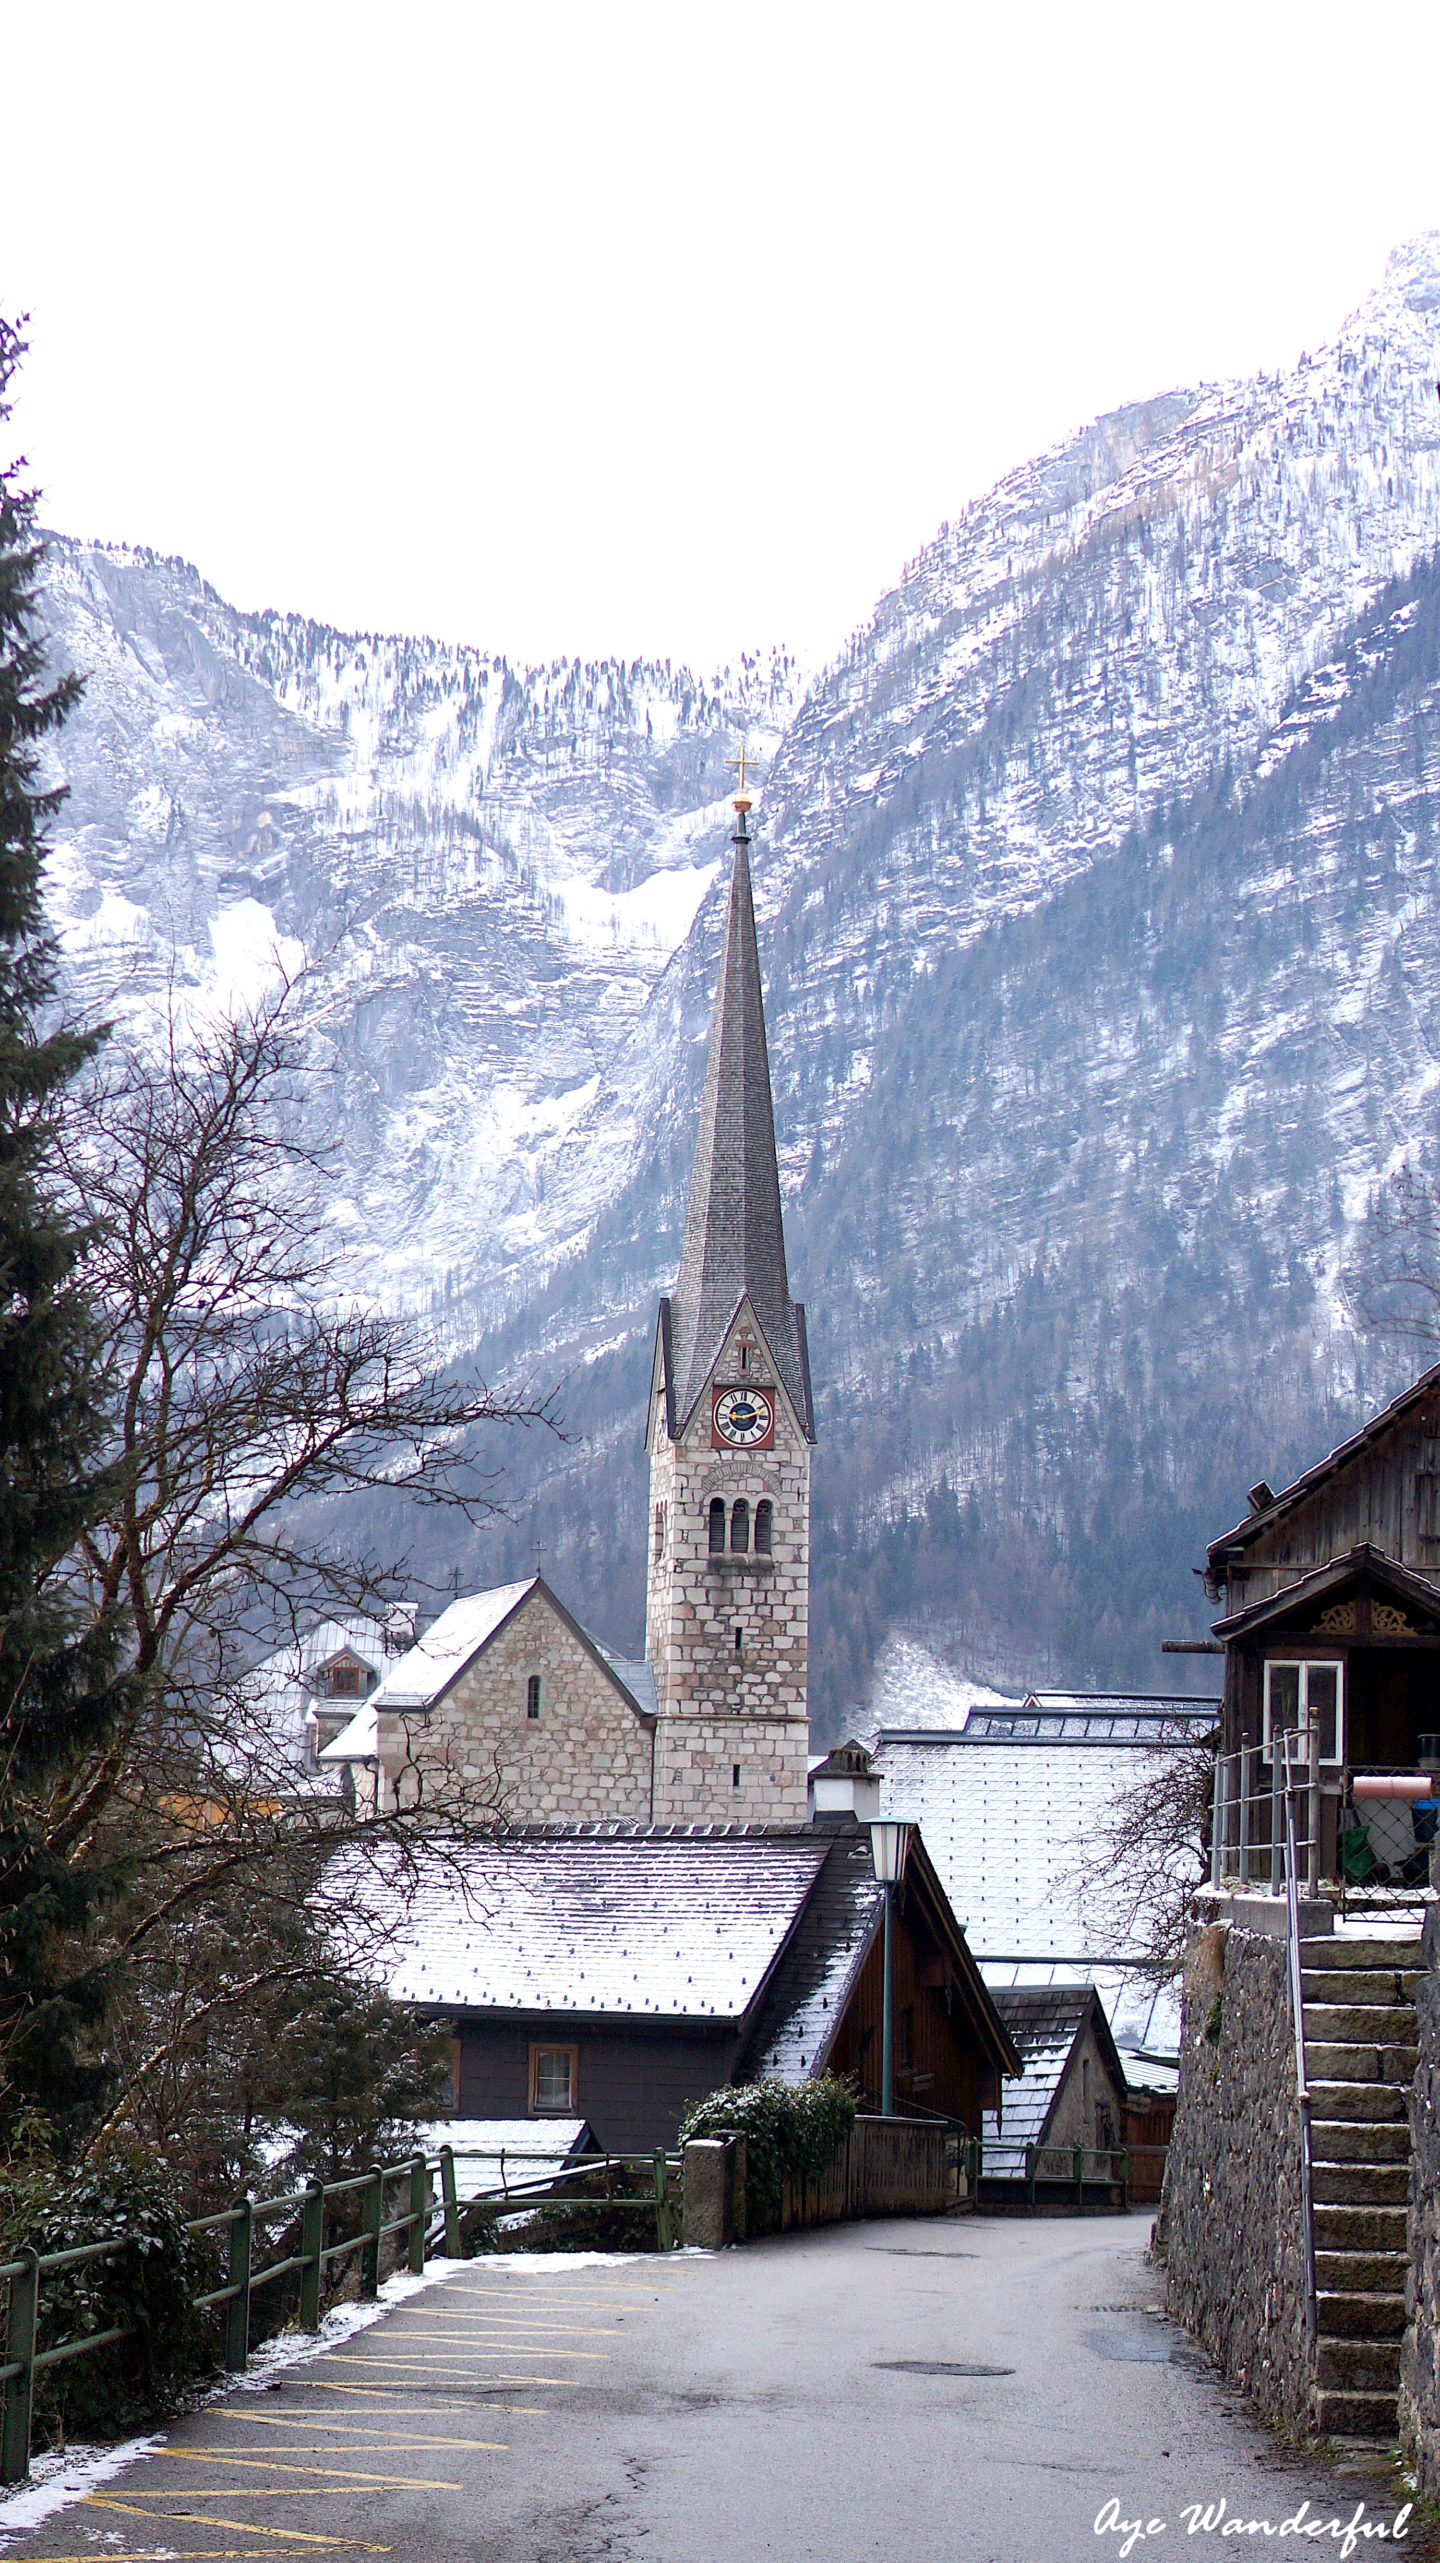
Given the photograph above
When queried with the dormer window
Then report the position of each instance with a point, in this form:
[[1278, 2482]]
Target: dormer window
[[343, 1681]]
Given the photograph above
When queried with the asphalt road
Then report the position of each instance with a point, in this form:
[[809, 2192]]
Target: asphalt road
[[968, 2391]]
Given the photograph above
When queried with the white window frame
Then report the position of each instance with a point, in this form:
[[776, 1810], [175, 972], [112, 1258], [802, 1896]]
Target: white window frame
[[1304, 1665]]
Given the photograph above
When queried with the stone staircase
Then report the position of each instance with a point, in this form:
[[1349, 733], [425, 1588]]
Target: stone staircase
[[1360, 2059]]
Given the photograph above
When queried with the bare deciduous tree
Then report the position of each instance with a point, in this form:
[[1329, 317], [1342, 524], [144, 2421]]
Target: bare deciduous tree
[[1393, 1285], [250, 1395]]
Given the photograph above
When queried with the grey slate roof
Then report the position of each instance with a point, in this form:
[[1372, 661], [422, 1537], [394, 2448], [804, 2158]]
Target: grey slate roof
[[1102, 1720], [1044, 2021], [1012, 1830], [284, 1690], [793, 2030], [734, 1234], [626, 1920]]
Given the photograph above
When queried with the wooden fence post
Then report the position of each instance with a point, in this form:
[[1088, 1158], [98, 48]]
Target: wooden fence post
[[454, 2249], [20, 2389], [664, 2230], [372, 2218], [419, 2210], [237, 2275], [312, 2247]]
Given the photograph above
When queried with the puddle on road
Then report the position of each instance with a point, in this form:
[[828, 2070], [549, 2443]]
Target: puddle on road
[[939, 2367], [1143, 2341]]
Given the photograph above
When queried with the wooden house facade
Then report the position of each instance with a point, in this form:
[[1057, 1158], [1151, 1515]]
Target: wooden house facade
[[1331, 1617], [618, 1973]]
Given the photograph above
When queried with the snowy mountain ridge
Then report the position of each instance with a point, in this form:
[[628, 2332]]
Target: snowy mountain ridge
[[1098, 892]]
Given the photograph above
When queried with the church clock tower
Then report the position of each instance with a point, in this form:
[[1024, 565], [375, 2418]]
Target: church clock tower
[[730, 1432]]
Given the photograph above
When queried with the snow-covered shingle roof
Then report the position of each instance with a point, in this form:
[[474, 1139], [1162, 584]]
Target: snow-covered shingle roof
[[1044, 2022], [425, 1672], [431, 1664], [1015, 1833], [629, 1920], [281, 1688], [489, 2151], [801, 2012]]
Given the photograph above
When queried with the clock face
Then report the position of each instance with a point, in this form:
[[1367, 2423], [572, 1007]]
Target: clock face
[[744, 1418]]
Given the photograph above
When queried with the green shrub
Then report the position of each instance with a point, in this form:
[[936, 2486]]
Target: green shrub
[[147, 2286], [790, 2128]]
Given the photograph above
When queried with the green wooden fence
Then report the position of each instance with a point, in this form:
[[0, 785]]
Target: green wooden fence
[[241, 2231]]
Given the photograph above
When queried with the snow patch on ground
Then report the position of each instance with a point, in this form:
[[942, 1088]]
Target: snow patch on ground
[[251, 955], [913, 1688]]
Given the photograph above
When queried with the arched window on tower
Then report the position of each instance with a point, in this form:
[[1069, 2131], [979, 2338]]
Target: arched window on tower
[[659, 1531], [764, 1526], [717, 1525], [740, 1525]]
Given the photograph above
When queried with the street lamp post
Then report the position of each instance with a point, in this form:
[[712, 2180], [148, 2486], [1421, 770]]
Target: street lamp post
[[889, 1844]]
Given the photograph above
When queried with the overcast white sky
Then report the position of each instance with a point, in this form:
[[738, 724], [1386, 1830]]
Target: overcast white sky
[[657, 329]]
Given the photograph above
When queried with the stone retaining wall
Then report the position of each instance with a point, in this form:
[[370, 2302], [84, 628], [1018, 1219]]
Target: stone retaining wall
[[1420, 2357], [1231, 2230]]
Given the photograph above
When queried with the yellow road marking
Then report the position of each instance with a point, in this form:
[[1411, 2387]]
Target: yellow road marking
[[460, 2376], [208, 2553], [509, 2292], [428, 2357], [407, 2385], [344, 2429], [268, 2492], [405, 2370], [247, 2527], [277, 2465], [322, 2385], [501, 2322]]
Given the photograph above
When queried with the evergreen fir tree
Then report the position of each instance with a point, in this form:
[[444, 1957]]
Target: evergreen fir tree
[[56, 1690]]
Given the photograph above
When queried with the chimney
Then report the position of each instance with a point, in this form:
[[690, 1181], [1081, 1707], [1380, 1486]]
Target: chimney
[[400, 1628], [847, 1782]]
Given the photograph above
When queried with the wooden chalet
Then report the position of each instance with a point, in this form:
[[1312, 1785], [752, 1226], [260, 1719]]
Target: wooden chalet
[[617, 1973], [1331, 1617]]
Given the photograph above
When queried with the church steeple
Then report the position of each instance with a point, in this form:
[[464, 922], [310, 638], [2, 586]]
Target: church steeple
[[734, 1245], [730, 1435]]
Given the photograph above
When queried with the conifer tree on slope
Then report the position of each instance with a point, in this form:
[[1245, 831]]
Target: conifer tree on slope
[[56, 1687]]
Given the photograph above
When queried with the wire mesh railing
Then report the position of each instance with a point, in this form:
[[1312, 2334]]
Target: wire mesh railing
[[1363, 1836]]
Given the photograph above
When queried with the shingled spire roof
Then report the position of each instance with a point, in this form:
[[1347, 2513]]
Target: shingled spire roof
[[734, 1235]]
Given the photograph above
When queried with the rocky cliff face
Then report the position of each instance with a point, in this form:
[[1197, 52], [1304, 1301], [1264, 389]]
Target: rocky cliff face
[[1097, 894]]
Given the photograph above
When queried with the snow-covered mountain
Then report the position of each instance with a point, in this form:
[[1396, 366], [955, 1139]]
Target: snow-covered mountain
[[1097, 889]]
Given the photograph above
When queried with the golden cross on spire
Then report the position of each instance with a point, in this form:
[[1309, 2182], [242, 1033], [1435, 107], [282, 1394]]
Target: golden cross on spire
[[741, 761]]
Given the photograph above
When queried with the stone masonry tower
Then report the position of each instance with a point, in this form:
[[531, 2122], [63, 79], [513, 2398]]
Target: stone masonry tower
[[730, 1432]]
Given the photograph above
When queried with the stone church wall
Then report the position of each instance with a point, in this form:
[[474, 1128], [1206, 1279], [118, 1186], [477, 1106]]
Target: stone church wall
[[1231, 2229], [587, 1757], [696, 1762]]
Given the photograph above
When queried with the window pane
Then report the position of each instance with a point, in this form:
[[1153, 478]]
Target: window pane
[[1323, 1687], [553, 2078], [1282, 1698]]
